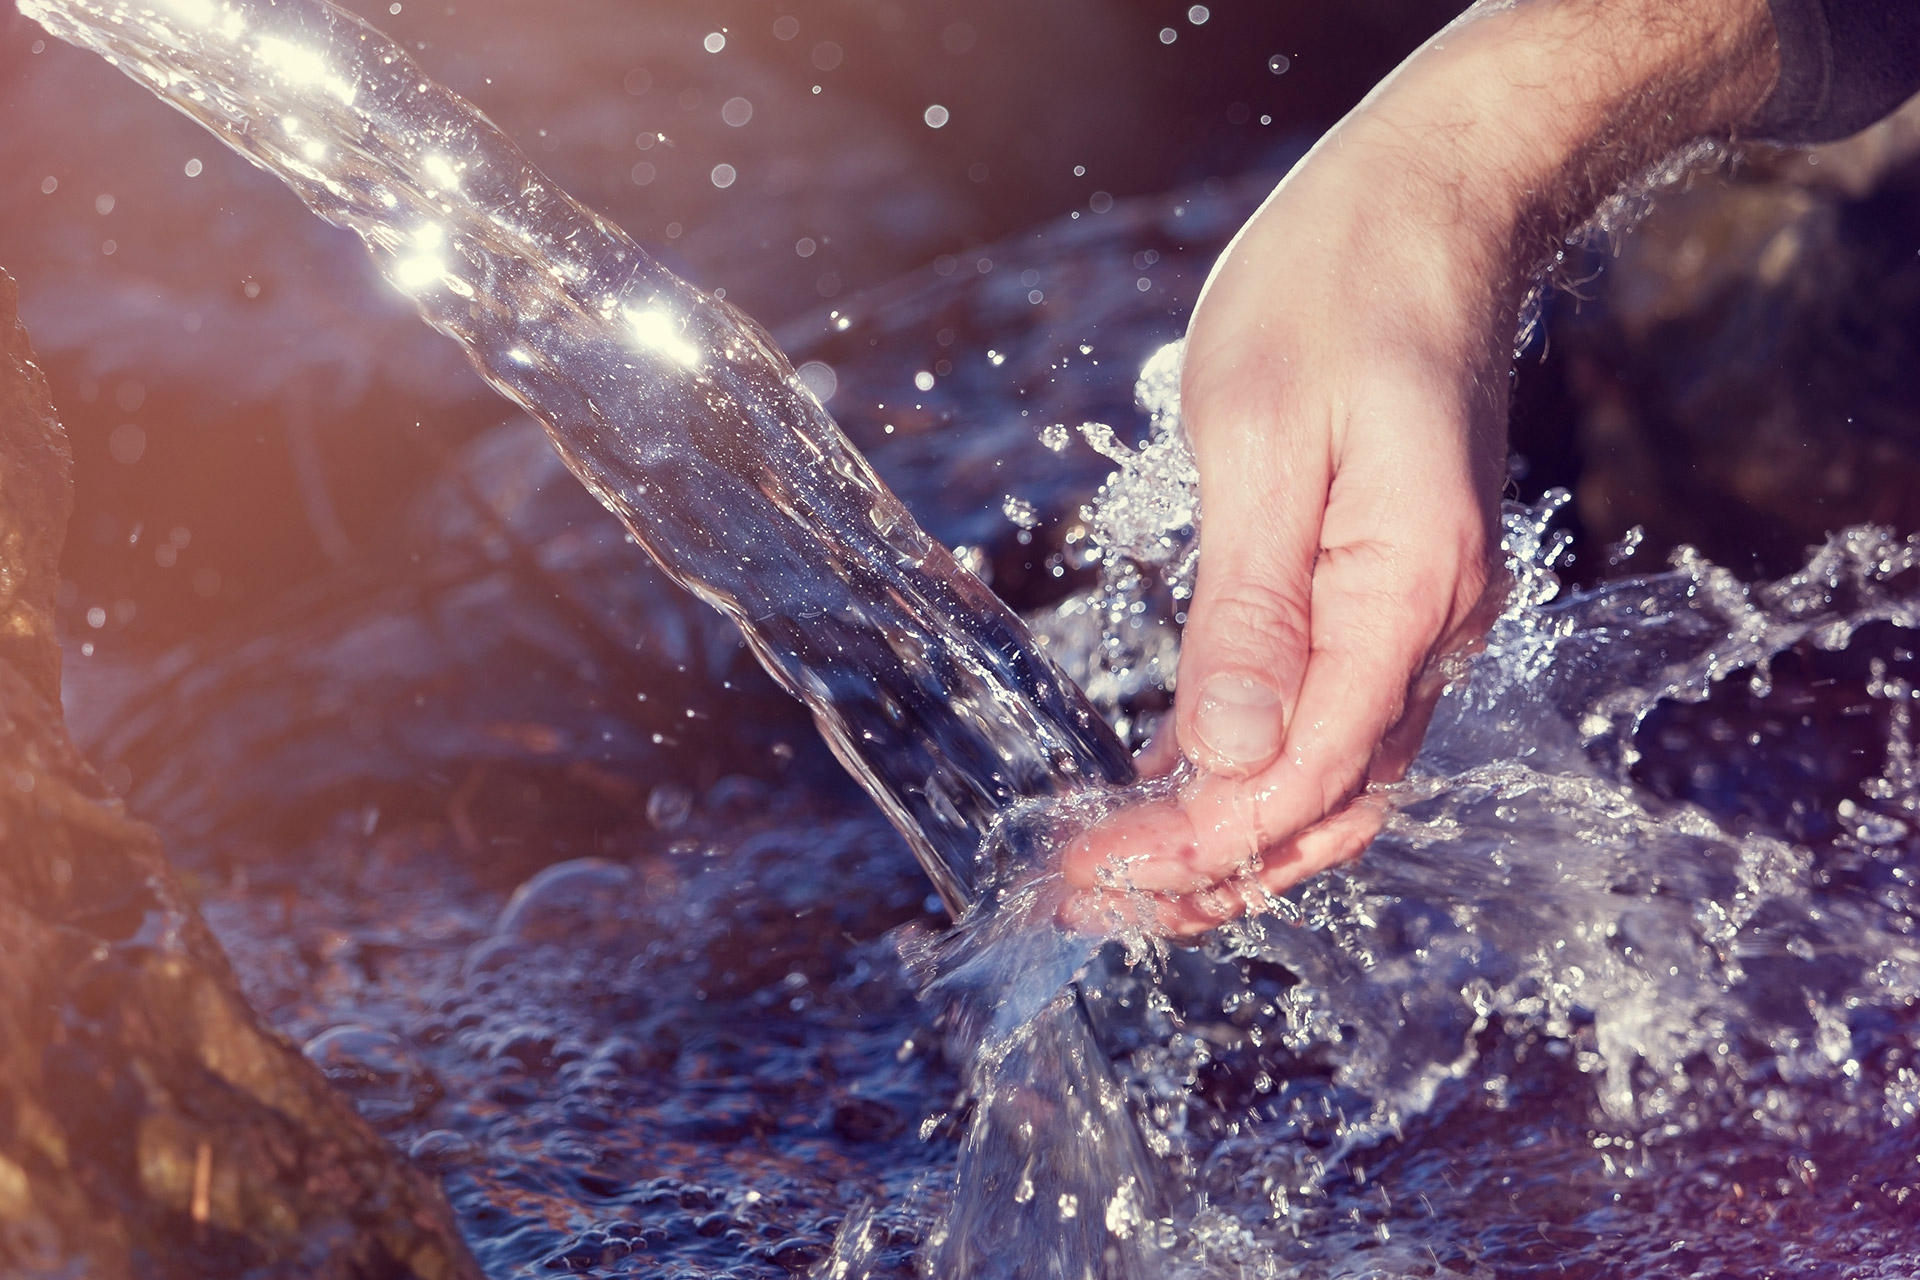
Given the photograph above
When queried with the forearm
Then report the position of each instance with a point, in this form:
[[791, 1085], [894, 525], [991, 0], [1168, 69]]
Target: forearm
[[1519, 119]]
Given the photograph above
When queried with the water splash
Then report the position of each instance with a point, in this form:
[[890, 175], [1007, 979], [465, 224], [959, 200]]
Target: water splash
[[1526, 889], [1122, 638]]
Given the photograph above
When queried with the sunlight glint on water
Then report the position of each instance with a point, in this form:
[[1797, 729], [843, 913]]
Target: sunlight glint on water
[[678, 412], [1713, 994]]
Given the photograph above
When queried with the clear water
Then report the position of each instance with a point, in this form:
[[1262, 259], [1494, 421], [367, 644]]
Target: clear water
[[1626, 988], [684, 419]]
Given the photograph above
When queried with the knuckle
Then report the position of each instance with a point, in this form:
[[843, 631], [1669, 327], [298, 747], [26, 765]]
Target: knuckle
[[1256, 619]]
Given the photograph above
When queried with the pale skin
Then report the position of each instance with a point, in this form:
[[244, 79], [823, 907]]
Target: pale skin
[[1345, 390]]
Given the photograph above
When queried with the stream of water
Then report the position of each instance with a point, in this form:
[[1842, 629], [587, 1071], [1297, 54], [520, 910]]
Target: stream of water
[[1627, 987], [684, 419]]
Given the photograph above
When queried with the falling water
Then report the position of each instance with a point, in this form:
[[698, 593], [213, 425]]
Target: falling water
[[680, 415], [1552, 1023]]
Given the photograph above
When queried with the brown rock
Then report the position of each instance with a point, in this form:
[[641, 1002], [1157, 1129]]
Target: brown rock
[[150, 1125], [1751, 378]]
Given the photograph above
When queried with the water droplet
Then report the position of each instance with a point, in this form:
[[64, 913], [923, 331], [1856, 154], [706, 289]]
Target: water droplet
[[668, 806]]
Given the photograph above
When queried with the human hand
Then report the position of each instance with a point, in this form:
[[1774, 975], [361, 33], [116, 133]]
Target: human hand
[[1345, 391]]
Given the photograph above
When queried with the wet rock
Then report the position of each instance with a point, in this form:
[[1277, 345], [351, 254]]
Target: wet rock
[[1748, 380], [150, 1125], [866, 1119]]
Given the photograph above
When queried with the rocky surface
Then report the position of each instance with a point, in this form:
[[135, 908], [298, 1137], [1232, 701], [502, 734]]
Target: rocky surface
[[150, 1125], [1748, 380]]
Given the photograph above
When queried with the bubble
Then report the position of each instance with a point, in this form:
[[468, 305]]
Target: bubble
[[1100, 202], [193, 167], [715, 41], [1198, 14], [1168, 35], [103, 205], [643, 174], [786, 27], [827, 55], [439, 1150], [818, 378], [736, 111], [568, 903], [723, 175], [1279, 63], [49, 185], [936, 116], [923, 380], [637, 81], [805, 246], [379, 1071]]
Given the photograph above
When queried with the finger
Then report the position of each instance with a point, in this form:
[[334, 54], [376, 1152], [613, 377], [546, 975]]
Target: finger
[[1104, 912], [1340, 839], [1376, 623], [1244, 649]]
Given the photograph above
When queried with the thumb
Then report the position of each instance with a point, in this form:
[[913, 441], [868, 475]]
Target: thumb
[[1245, 648]]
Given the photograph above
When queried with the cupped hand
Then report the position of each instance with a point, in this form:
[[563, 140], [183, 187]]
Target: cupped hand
[[1345, 391]]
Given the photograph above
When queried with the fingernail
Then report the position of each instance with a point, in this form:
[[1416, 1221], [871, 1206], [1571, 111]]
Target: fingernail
[[1239, 723]]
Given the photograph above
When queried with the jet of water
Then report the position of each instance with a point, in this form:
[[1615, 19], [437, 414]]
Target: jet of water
[[680, 415]]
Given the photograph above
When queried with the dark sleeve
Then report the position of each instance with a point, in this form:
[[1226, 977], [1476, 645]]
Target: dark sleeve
[[1844, 64]]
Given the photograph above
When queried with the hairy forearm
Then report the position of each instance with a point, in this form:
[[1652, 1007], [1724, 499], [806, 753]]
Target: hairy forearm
[[1516, 122]]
